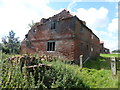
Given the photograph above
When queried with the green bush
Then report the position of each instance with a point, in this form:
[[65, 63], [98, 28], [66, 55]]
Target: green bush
[[65, 77]]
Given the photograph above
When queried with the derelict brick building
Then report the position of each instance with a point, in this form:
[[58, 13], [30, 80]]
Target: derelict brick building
[[62, 35], [104, 50]]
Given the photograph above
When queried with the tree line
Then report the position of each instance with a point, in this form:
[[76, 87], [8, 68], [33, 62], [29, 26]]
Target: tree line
[[116, 51], [10, 44]]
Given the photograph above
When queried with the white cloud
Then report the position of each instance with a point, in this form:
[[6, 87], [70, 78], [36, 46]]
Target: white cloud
[[110, 39], [113, 26], [102, 33], [94, 18], [111, 44], [116, 14], [98, 18], [71, 5], [17, 14]]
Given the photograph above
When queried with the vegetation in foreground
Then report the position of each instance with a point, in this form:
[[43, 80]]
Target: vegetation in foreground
[[95, 74]]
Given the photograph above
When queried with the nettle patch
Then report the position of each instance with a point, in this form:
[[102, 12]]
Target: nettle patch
[[32, 71], [26, 71], [29, 71]]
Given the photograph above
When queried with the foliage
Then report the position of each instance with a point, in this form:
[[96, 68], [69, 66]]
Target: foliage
[[116, 51], [98, 63], [12, 77], [31, 24], [65, 76], [90, 78], [11, 44], [103, 64], [61, 75]]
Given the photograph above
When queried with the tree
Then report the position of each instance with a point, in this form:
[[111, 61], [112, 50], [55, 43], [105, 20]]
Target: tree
[[116, 51], [31, 24], [4, 45], [11, 44]]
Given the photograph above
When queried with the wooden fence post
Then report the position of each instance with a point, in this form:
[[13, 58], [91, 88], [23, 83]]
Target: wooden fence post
[[113, 66], [81, 64]]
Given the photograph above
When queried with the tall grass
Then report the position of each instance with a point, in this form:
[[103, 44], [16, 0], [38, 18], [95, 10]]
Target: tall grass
[[103, 72], [56, 77], [12, 77], [91, 78], [95, 74]]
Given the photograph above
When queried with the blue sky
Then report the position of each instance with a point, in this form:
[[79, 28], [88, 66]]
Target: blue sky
[[101, 17]]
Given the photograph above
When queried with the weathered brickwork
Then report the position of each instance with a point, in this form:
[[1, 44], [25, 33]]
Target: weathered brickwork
[[103, 49], [85, 41], [62, 35]]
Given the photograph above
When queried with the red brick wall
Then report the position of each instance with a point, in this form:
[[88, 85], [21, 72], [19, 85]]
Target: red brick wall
[[103, 49], [63, 48], [63, 36], [67, 37], [85, 38]]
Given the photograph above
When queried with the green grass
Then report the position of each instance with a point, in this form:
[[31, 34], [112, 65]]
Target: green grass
[[103, 63], [98, 63], [90, 77], [110, 55]]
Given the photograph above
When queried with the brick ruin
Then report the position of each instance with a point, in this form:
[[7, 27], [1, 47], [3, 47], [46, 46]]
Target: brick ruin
[[104, 50], [61, 35]]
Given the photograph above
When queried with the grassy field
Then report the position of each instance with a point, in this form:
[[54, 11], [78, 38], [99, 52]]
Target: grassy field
[[95, 74], [92, 76], [103, 63], [110, 55]]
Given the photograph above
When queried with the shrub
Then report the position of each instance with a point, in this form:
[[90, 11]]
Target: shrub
[[60, 75]]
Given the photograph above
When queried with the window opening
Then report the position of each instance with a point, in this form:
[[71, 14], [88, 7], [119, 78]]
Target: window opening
[[53, 25], [51, 46], [81, 46]]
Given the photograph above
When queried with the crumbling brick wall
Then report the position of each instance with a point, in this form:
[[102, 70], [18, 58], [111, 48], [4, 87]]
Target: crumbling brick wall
[[68, 34], [103, 49], [85, 40], [63, 36]]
